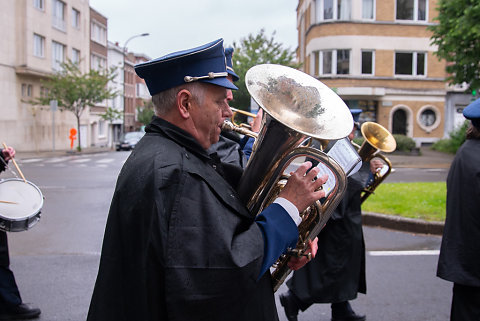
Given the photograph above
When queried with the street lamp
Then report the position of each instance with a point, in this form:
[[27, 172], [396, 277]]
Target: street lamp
[[124, 74]]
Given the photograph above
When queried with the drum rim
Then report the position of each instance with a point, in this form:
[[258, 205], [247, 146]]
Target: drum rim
[[31, 215]]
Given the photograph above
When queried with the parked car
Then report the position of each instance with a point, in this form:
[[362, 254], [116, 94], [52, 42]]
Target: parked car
[[128, 140]]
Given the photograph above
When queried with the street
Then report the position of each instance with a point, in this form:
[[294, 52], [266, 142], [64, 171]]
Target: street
[[55, 262]]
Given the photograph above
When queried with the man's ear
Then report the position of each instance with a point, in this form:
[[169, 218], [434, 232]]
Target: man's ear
[[184, 102]]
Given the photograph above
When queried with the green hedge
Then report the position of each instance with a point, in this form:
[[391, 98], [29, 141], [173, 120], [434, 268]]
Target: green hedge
[[450, 145], [404, 143]]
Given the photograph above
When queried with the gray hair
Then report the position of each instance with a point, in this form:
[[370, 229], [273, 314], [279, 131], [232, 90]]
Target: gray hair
[[164, 101]]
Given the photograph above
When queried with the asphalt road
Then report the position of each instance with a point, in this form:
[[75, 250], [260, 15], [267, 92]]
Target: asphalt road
[[55, 262]]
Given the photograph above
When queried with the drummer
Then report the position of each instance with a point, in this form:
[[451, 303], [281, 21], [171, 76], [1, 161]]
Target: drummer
[[11, 305]]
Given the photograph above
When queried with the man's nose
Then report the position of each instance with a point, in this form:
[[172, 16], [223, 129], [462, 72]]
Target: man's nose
[[229, 95]]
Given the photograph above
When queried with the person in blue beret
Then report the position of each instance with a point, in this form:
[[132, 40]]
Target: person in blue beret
[[459, 261], [227, 148], [178, 243]]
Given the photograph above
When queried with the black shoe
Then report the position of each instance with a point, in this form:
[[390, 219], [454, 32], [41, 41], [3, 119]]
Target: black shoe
[[288, 303], [350, 317], [21, 311]]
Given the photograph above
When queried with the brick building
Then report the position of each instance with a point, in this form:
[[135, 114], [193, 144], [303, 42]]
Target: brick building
[[378, 57]]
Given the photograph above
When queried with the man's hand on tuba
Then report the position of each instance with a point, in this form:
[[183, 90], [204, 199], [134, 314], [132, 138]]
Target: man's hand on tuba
[[302, 189], [296, 263]]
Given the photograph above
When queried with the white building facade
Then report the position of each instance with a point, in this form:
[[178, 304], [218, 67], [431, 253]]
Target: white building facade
[[36, 36]]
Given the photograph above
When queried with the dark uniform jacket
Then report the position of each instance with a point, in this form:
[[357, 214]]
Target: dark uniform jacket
[[337, 273], [4, 256], [459, 259], [179, 244]]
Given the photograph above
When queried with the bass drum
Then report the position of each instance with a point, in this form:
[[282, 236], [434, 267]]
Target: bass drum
[[20, 205]]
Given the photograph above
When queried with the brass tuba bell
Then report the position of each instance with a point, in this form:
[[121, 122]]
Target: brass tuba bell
[[377, 139], [297, 107]]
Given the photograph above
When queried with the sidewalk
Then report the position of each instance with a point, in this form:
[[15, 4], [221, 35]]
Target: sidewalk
[[57, 153], [427, 158]]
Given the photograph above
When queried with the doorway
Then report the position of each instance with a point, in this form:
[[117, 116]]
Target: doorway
[[399, 122]]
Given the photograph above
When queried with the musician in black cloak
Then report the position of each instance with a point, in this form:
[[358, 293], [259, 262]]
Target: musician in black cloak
[[179, 244], [459, 260], [337, 274], [11, 305]]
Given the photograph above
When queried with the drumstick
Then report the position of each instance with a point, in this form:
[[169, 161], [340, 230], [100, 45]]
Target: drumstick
[[8, 202], [15, 163]]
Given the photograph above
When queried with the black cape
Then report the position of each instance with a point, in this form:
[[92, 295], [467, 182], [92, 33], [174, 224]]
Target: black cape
[[459, 259], [337, 273], [179, 244]]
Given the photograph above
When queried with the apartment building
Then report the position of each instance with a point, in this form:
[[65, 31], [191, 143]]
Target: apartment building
[[36, 36], [129, 92], [115, 60], [378, 57], [141, 90], [98, 127]]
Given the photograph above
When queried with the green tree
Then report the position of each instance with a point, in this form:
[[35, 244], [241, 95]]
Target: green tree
[[457, 36], [75, 91], [110, 115], [254, 50], [145, 112]]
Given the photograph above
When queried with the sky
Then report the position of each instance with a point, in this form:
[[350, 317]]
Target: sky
[[176, 25]]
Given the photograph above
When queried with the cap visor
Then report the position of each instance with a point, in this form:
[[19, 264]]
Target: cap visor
[[221, 81]]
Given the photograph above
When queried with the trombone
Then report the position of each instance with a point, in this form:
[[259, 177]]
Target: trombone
[[236, 112]]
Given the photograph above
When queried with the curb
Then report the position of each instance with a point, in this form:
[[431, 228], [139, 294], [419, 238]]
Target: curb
[[402, 224]]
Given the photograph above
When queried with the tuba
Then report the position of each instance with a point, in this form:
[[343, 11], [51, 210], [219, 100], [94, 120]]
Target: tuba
[[377, 139], [296, 107]]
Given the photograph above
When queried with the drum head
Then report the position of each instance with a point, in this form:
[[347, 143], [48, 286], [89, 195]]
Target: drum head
[[20, 200]]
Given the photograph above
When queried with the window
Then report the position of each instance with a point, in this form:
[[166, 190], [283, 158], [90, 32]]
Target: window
[[43, 91], [367, 62], [333, 9], [58, 15], [327, 62], [142, 91], [75, 56], [332, 62], [98, 33], [58, 55], [75, 18], [410, 63], [38, 46], [415, 10], [428, 118], [39, 4], [97, 62], [27, 90], [368, 9], [343, 62], [101, 128], [344, 9]]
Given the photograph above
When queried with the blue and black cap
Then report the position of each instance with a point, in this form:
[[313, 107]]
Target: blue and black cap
[[206, 63], [356, 116], [472, 112], [228, 57]]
